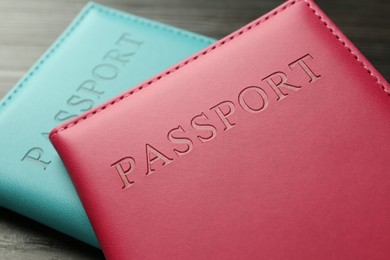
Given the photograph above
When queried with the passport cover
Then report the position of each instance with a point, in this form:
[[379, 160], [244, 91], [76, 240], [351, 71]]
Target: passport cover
[[273, 143], [102, 53]]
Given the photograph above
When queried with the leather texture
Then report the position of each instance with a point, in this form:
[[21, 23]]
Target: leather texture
[[272, 143], [102, 53]]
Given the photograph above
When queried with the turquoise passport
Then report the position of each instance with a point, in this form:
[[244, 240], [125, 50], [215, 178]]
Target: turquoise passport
[[102, 53]]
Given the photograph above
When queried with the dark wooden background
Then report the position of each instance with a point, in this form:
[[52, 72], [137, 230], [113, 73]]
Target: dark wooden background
[[28, 27]]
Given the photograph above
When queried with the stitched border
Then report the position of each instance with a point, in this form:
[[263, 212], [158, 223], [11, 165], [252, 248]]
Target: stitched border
[[75, 25], [155, 24], [347, 47], [166, 73], [208, 50], [41, 61]]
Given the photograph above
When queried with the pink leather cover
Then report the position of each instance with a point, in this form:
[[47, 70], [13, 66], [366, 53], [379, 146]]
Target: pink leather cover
[[273, 143]]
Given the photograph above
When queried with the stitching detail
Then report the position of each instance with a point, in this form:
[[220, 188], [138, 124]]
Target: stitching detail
[[166, 73], [157, 25], [213, 47], [377, 80], [45, 57], [76, 24]]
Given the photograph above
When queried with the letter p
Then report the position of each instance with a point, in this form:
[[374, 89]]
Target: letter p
[[34, 155], [123, 167]]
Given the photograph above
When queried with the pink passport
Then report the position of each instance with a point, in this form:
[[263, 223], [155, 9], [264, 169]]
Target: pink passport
[[272, 143]]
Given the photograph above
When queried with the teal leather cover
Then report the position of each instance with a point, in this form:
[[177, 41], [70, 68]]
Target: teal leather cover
[[102, 53]]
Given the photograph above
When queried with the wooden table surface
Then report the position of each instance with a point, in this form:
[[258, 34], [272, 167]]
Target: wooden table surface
[[28, 27]]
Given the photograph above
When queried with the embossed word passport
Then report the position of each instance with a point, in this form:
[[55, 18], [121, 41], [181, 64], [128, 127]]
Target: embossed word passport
[[273, 143], [101, 54]]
